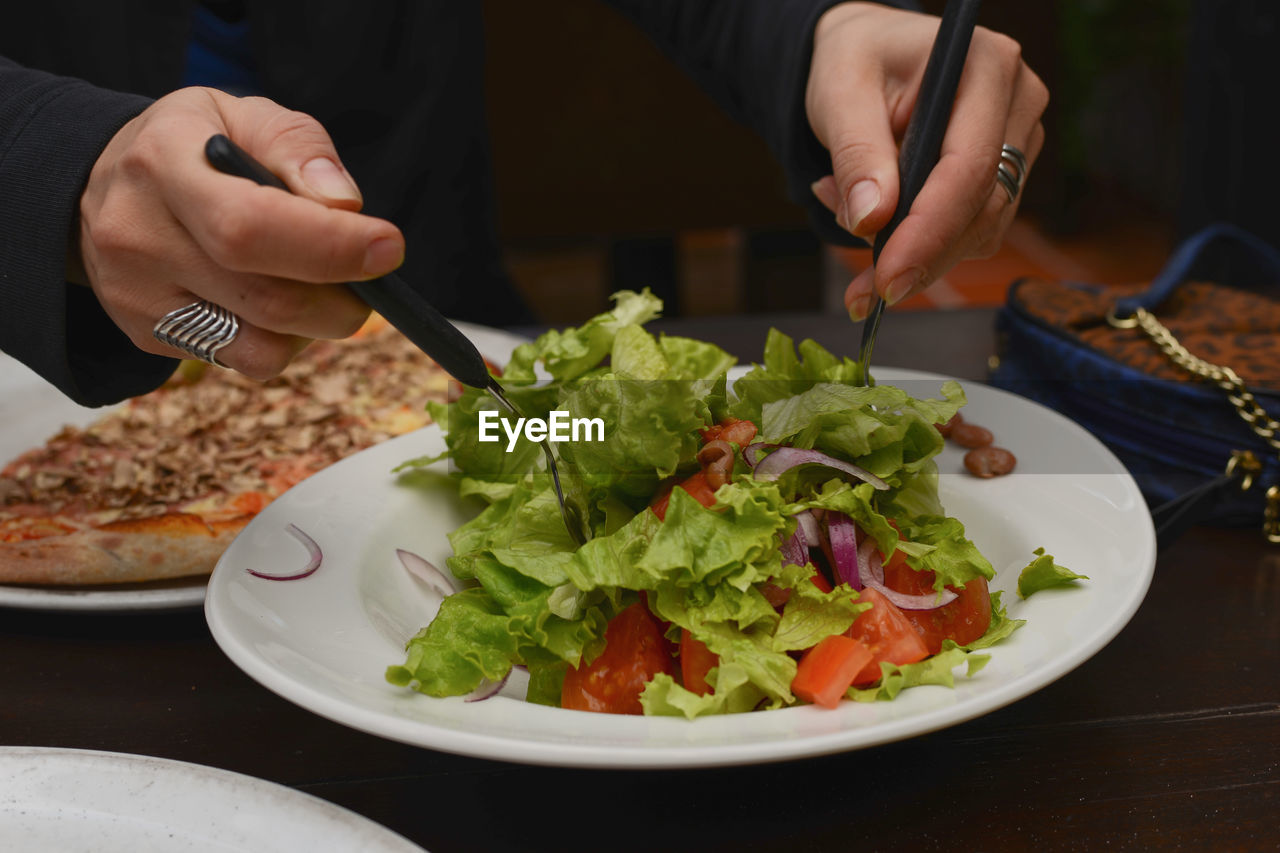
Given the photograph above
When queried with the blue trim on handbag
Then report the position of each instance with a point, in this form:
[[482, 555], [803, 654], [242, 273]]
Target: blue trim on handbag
[[1174, 437], [1194, 254]]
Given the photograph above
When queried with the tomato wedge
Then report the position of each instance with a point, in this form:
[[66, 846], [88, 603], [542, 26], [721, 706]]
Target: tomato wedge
[[887, 634], [697, 487], [696, 660], [828, 669], [634, 652], [963, 620]]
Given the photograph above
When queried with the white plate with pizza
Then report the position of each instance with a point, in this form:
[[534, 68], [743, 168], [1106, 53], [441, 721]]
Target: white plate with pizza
[[325, 641], [128, 508], [73, 799]]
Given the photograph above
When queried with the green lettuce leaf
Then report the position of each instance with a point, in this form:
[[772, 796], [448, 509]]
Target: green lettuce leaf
[[939, 545], [649, 434], [569, 354], [1043, 573], [736, 543], [782, 374], [732, 693], [934, 670], [468, 641], [811, 615]]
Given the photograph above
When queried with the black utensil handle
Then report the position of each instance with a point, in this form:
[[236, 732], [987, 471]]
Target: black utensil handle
[[402, 306], [922, 142], [419, 321]]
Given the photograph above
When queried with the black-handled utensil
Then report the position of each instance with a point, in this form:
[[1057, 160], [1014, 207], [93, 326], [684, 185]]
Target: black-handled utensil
[[922, 142], [401, 305], [411, 313]]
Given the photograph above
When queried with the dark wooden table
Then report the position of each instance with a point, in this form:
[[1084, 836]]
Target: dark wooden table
[[1169, 737]]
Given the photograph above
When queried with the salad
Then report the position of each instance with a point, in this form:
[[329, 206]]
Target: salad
[[751, 547]]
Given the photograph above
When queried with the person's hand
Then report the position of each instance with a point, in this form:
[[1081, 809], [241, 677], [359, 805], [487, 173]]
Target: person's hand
[[161, 229], [868, 61]]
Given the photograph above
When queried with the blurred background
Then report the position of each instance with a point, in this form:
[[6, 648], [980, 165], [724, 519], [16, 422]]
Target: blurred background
[[614, 171]]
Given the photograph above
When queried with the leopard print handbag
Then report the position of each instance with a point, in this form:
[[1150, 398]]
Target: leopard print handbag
[[1180, 378]]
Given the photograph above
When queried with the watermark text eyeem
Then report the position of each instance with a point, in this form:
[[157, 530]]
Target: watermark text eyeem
[[557, 427]]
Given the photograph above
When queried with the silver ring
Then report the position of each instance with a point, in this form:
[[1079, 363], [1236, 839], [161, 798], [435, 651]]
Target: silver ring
[[199, 329], [1012, 171]]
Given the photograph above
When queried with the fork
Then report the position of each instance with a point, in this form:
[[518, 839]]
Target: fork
[[415, 317], [922, 143]]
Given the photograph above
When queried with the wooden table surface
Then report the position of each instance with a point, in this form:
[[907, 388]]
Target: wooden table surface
[[1169, 737]]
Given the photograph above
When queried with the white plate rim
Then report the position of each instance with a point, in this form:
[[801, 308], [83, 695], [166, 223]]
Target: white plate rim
[[561, 754], [157, 596], [290, 807]]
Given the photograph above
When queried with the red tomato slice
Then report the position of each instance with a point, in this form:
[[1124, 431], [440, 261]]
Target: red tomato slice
[[963, 620], [634, 652], [828, 669], [778, 596], [820, 581], [696, 660], [738, 431], [697, 487], [887, 633]]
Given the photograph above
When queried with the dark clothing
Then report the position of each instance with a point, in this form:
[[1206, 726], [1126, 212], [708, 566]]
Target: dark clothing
[[398, 85]]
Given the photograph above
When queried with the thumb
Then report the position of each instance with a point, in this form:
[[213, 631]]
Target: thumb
[[295, 147], [864, 159]]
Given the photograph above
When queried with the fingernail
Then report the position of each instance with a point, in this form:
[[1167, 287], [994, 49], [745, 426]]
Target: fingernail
[[860, 308], [382, 256], [824, 189], [901, 286], [326, 179], [864, 198]]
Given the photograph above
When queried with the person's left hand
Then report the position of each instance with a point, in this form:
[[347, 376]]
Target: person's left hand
[[868, 61]]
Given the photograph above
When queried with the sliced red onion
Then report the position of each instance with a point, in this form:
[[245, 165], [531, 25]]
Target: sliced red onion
[[795, 551], [809, 524], [487, 689], [865, 568], [785, 458], [843, 534], [422, 569], [873, 578], [749, 453], [313, 550]]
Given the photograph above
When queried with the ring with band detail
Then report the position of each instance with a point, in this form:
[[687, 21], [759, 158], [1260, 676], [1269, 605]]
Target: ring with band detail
[[200, 330]]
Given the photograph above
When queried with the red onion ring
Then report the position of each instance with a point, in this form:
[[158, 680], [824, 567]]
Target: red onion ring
[[313, 550], [487, 689], [872, 574], [843, 534], [422, 569], [809, 524], [785, 458], [749, 452]]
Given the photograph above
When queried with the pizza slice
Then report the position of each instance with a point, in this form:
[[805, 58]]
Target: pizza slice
[[158, 487]]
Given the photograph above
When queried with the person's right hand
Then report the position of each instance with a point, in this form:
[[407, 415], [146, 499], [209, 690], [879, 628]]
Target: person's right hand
[[160, 228]]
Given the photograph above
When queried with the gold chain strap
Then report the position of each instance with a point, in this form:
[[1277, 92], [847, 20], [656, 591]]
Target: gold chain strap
[[1246, 405]]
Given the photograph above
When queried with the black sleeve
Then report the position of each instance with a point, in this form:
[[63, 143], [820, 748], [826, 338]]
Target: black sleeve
[[752, 57], [52, 130]]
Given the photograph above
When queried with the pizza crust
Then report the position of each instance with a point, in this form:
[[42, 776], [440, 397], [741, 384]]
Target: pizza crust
[[158, 548]]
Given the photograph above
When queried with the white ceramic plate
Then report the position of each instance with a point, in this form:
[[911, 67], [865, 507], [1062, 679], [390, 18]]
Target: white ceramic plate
[[71, 799], [32, 410], [324, 642]]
